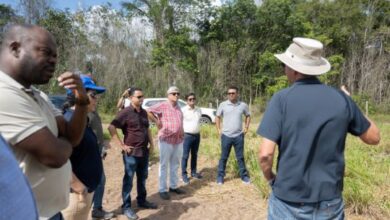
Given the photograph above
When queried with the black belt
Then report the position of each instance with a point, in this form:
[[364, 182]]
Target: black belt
[[192, 134], [88, 190]]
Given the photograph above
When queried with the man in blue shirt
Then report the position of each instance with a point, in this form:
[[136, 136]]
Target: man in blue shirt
[[309, 122], [15, 191]]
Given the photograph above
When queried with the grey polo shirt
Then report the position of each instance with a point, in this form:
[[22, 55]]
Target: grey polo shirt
[[309, 121], [232, 117]]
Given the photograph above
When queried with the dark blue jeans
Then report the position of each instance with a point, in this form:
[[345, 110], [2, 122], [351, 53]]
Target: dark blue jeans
[[99, 192], [330, 209], [57, 216], [138, 166], [226, 144], [191, 144]]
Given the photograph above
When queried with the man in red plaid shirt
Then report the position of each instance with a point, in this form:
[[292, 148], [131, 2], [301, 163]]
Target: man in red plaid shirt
[[169, 120]]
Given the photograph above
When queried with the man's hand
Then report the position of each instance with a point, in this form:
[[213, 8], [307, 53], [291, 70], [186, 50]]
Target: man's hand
[[127, 149], [344, 89], [72, 81], [245, 130]]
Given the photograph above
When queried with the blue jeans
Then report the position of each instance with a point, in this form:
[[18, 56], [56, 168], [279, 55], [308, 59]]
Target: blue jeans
[[226, 144], [191, 144], [138, 166], [99, 192], [331, 209]]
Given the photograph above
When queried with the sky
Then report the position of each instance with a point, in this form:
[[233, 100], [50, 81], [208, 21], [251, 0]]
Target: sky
[[71, 4]]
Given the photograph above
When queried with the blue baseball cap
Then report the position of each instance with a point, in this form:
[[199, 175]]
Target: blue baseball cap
[[88, 83]]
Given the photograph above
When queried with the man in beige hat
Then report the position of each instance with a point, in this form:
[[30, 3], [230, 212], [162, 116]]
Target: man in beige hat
[[169, 120], [309, 122]]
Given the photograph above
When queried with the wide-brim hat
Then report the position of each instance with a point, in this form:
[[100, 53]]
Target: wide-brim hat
[[304, 56]]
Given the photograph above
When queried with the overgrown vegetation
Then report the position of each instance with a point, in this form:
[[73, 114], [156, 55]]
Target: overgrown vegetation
[[367, 174]]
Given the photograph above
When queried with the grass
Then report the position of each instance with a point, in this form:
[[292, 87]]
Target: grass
[[367, 173]]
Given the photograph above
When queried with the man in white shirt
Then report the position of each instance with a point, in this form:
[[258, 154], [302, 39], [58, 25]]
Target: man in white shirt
[[191, 125], [40, 137]]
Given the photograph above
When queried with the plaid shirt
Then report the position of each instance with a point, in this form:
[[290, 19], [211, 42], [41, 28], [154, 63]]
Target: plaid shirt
[[171, 119]]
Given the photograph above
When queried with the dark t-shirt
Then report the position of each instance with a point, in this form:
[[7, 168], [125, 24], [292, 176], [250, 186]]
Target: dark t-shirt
[[309, 121], [134, 126], [85, 159]]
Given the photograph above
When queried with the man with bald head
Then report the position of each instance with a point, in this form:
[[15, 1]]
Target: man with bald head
[[40, 137]]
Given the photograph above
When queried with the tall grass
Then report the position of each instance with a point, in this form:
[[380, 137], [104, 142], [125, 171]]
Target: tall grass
[[367, 173]]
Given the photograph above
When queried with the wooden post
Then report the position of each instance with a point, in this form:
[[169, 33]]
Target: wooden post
[[366, 108]]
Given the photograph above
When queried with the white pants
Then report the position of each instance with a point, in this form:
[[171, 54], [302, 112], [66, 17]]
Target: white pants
[[170, 156]]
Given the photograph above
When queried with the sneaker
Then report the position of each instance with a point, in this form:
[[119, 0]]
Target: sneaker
[[220, 180], [165, 196], [186, 180], [196, 176], [246, 180], [177, 191], [99, 213], [130, 214], [147, 205]]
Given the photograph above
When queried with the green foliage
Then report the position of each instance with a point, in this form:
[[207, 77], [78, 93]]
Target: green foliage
[[333, 76], [362, 100]]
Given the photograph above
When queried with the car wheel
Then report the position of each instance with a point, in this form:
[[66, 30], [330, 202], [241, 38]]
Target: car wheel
[[205, 120]]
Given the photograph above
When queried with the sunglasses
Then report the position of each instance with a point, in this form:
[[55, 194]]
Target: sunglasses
[[139, 97], [175, 93], [191, 99], [93, 95], [231, 93]]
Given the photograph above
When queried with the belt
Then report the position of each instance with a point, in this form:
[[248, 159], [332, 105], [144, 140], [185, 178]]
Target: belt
[[192, 134]]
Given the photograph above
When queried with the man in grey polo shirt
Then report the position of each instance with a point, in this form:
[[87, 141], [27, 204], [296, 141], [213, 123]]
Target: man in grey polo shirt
[[232, 133]]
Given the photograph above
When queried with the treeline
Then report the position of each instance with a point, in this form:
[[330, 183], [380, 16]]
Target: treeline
[[204, 47]]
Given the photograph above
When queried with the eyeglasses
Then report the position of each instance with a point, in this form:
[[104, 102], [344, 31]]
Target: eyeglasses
[[139, 97], [231, 93], [175, 93], [93, 95], [191, 99]]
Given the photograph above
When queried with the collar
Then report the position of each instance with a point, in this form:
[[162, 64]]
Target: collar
[[32, 91], [10, 81], [134, 109], [231, 103], [306, 81]]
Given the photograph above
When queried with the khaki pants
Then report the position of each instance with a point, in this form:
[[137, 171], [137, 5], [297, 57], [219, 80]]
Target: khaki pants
[[79, 207]]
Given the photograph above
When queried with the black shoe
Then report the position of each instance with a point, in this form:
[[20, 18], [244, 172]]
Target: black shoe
[[196, 176], [147, 205], [185, 179], [177, 191], [99, 213], [165, 196], [130, 214]]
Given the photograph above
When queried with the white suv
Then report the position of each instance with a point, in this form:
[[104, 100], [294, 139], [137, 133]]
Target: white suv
[[208, 114]]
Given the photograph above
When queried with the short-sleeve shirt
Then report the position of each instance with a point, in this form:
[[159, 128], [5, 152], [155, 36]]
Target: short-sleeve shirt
[[191, 119], [309, 121], [85, 159], [171, 118], [15, 191], [95, 123], [22, 113], [232, 117], [134, 126]]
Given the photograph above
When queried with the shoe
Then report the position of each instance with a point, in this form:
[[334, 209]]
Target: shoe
[[147, 205], [177, 191], [99, 213], [186, 180], [220, 180], [197, 176], [165, 196], [130, 214], [246, 180]]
